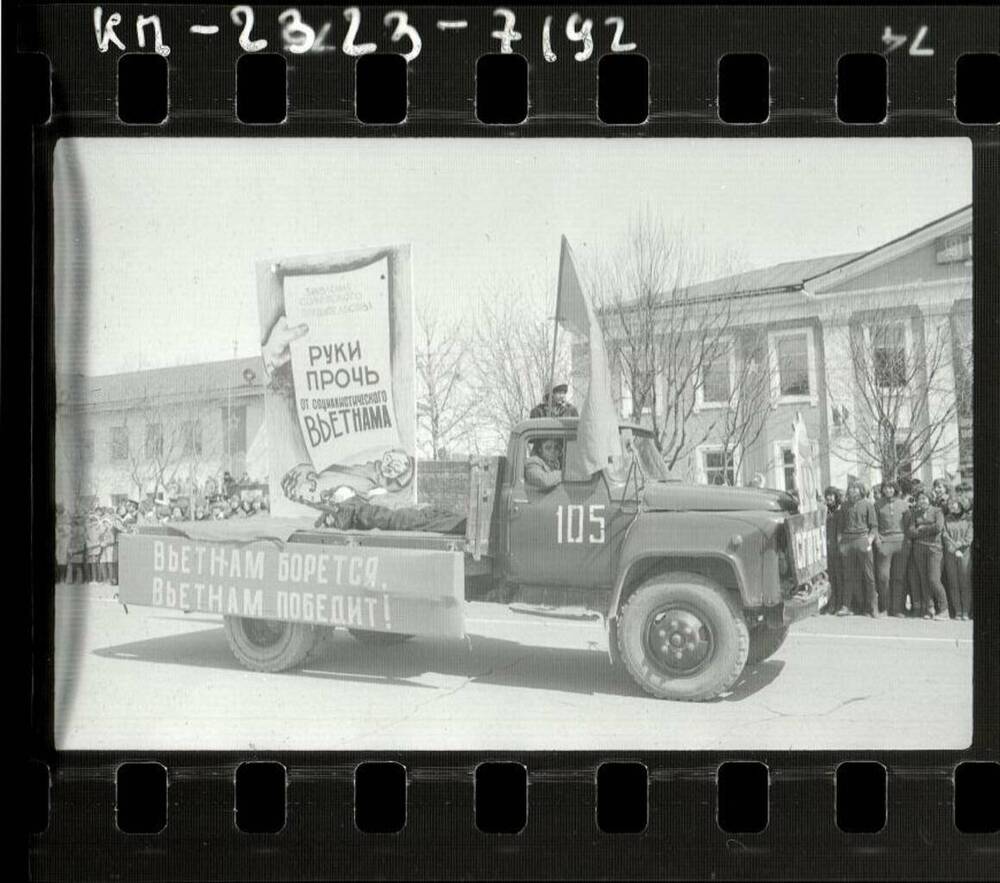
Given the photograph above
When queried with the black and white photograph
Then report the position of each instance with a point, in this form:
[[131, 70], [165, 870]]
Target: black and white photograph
[[513, 444]]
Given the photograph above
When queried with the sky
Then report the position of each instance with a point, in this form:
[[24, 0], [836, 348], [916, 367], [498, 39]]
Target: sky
[[156, 239]]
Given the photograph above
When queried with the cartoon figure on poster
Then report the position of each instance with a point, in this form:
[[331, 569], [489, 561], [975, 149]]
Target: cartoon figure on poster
[[338, 356], [807, 479]]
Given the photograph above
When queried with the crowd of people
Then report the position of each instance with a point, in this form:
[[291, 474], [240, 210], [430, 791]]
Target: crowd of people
[[86, 548], [902, 551]]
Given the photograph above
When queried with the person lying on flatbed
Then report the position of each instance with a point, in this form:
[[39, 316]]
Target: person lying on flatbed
[[351, 512]]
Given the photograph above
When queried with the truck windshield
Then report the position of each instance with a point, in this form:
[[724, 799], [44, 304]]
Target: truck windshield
[[640, 444]]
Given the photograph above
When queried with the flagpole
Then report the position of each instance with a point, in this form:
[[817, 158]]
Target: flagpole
[[555, 328]]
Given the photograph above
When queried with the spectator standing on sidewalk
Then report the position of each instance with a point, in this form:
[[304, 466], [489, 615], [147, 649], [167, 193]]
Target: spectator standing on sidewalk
[[924, 531], [889, 562], [94, 531], [834, 566], [957, 539], [911, 579], [858, 529], [62, 541]]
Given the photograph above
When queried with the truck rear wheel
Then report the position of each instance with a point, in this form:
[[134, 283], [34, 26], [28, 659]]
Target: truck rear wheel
[[764, 643], [268, 644], [681, 636], [378, 639]]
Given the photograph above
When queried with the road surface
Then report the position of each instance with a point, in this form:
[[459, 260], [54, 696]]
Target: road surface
[[161, 679]]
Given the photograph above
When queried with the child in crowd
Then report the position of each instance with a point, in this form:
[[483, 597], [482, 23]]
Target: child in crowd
[[858, 527], [940, 492], [924, 529], [62, 542], [834, 568], [889, 562], [957, 540]]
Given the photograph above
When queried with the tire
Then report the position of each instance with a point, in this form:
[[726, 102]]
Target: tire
[[694, 613], [267, 644], [378, 639], [764, 643]]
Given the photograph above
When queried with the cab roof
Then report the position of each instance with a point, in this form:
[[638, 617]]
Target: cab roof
[[547, 424]]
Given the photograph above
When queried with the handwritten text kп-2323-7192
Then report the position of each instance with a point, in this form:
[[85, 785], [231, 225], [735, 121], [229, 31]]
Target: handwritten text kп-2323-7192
[[300, 36]]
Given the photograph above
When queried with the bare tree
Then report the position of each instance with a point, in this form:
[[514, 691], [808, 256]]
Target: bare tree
[[662, 331], [170, 442], [906, 390], [443, 399], [513, 343], [741, 421], [961, 329]]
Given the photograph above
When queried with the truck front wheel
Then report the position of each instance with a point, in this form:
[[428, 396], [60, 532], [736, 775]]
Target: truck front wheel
[[681, 636], [268, 644]]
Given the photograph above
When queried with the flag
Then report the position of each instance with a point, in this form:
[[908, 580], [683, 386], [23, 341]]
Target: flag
[[597, 434], [806, 467]]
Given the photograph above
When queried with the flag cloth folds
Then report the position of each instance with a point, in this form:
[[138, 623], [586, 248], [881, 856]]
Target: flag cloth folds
[[597, 435]]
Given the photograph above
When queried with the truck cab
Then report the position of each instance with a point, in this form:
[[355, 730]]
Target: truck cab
[[694, 581]]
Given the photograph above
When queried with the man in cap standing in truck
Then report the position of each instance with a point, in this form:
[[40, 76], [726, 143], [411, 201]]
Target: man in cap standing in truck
[[555, 404]]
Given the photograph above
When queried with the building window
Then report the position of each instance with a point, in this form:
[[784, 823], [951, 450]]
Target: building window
[[191, 435], [717, 466], [786, 467], [792, 358], [717, 377], [119, 443], [234, 430], [888, 343], [154, 440], [715, 387]]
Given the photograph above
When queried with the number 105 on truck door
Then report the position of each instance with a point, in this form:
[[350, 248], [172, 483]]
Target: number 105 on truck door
[[580, 524]]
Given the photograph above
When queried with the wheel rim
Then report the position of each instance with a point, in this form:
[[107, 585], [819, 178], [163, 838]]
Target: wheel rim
[[678, 641], [263, 632]]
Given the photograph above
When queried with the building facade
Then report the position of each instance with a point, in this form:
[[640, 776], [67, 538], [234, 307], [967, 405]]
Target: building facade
[[873, 349], [121, 436]]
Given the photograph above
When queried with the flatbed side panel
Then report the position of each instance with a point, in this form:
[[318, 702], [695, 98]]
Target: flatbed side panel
[[395, 539], [412, 591]]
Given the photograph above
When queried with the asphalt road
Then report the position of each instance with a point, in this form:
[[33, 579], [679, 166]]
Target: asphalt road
[[158, 679]]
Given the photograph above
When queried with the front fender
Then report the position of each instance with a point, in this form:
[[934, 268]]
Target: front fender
[[732, 551]]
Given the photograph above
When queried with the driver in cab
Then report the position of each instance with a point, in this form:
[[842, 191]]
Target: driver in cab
[[543, 468]]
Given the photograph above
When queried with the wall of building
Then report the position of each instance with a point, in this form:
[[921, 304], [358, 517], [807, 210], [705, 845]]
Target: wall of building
[[926, 293], [100, 473]]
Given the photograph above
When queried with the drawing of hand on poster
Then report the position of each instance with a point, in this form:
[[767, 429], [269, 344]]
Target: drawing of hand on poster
[[338, 354]]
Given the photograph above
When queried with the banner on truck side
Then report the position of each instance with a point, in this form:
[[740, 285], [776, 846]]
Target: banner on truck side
[[337, 345], [807, 543], [410, 591]]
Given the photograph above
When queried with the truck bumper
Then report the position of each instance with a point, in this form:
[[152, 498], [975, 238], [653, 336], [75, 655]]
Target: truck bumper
[[805, 601]]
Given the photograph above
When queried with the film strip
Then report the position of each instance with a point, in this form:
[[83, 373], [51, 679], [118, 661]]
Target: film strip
[[505, 744]]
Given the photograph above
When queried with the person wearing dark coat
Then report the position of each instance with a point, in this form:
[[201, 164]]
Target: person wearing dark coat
[[924, 530], [358, 514], [857, 531], [957, 541], [888, 548], [555, 404], [834, 566], [911, 579], [543, 469]]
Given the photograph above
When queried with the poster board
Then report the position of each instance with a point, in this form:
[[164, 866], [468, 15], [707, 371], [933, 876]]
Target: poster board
[[807, 471], [337, 346]]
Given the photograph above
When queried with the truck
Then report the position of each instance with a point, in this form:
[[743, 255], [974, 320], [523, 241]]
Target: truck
[[693, 583]]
